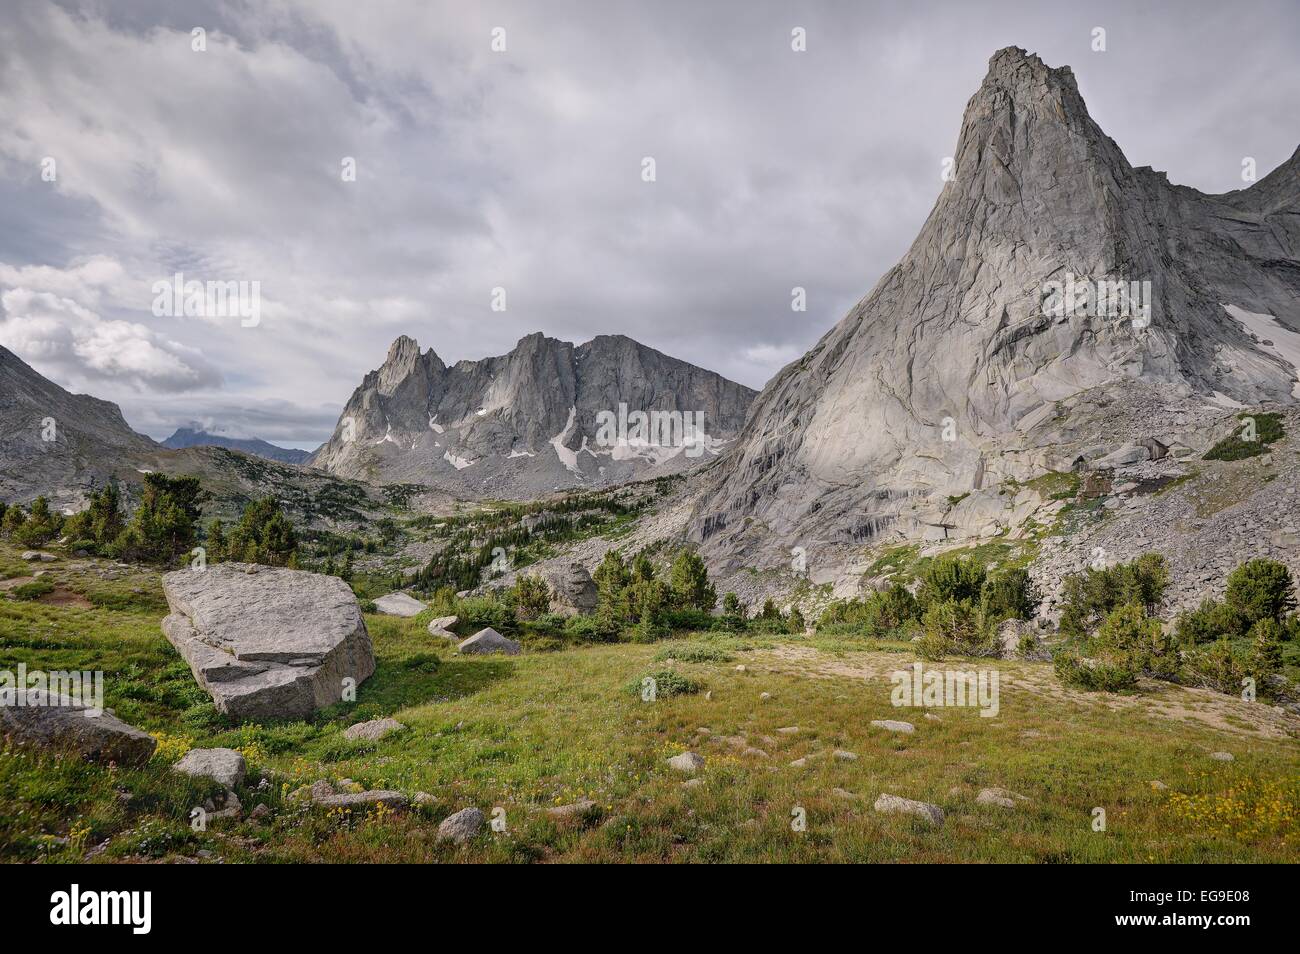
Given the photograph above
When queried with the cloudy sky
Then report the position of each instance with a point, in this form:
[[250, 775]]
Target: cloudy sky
[[522, 169]]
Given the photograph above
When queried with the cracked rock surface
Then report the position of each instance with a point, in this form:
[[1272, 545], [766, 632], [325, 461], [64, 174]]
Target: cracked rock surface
[[266, 642]]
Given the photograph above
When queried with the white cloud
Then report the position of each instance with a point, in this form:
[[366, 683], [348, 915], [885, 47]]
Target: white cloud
[[74, 345]]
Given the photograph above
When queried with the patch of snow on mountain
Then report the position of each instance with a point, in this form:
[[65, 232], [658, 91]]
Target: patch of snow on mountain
[[1273, 338]]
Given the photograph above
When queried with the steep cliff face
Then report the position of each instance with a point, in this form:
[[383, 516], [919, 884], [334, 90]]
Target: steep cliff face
[[993, 351], [530, 421]]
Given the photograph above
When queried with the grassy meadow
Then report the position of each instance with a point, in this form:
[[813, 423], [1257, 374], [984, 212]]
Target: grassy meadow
[[515, 736]]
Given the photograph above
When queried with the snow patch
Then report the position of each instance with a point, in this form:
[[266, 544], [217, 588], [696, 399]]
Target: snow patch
[[460, 463], [434, 425], [1281, 341], [567, 457]]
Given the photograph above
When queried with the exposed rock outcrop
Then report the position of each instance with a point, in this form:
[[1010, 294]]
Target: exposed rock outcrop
[[265, 642]]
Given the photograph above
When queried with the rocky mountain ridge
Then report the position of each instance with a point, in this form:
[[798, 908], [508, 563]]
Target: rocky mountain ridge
[[547, 416]]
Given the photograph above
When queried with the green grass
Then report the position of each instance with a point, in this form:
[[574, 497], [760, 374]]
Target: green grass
[[1268, 429], [527, 732]]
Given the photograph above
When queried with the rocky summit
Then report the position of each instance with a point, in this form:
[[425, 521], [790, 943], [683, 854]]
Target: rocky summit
[[546, 416], [1060, 310], [265, 642]]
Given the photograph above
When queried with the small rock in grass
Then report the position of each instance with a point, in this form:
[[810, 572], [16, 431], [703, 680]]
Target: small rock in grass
[[893, 726], [799, 763], [573, 808], [844, 793], [423, 798], [461, 827], [1158, 785], [845, 756], [692, 783], [221, 765], [374, 730], [687, 762], [789, 730], [932, 717], [1222, 756], [1000, 797], [321, 789], [489, 641], [892, 804], [764, 696], [378, 796], [754, 753], [399, 604], [740, 668]]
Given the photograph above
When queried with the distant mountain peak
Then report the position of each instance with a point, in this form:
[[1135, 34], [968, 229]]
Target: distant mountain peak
[[526, 422], [193, 435]]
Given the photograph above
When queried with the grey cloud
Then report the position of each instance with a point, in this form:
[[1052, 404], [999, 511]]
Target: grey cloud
[[521, 169]]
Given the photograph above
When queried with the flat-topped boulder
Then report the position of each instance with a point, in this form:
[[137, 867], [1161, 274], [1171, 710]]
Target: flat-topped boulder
[[266, 642], [399, 604]]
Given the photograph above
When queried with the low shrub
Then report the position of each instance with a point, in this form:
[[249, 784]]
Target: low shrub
[[667, 684]]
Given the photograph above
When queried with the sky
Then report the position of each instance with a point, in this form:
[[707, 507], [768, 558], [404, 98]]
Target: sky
[[501, 184]]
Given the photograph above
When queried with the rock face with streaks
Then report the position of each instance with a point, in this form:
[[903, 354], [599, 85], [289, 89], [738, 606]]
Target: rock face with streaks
[[994, 352], [528, 422], [265, 642]]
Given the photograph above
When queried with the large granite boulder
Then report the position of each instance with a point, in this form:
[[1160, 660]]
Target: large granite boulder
[[265, 642], [572, 589], [56, 722]]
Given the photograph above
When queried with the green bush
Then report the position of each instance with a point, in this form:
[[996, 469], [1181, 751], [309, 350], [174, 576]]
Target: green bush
[[1221, 665], [1094, 675], [1208, 622], [530, 596], [590, 629], [693, 653], [1090, 596], [1128, 635], [263, 535], [956, 626], [733, 613], [478, 612], [667, 684], [951, 579], [40, 527], [1010, 594], [31, 591], [689, 620], [1261, 589], [879, 615]]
